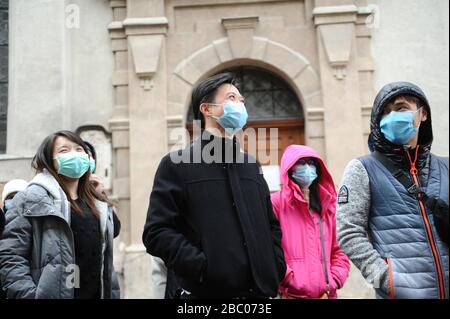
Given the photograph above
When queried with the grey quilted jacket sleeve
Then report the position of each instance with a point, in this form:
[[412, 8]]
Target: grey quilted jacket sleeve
[[15, 253], [352, 223]]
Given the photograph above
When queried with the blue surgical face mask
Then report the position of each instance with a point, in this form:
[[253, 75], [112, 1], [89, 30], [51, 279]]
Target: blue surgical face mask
[[304, 175], [234, 117], [92, 165], [398, 127], [7, 205], [73, 165]]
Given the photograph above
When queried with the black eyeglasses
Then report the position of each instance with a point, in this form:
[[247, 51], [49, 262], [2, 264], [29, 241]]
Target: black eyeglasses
[[306, 161]]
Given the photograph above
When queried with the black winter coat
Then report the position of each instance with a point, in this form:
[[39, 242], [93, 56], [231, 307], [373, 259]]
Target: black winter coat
[[213, 224]]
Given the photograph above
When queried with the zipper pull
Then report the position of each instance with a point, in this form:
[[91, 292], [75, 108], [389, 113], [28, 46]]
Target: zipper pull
[[413, 170]]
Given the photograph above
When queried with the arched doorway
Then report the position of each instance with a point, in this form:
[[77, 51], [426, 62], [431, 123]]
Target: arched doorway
[[271, 103]]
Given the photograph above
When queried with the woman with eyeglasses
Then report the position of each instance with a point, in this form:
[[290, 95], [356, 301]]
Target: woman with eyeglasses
[[306, 207]]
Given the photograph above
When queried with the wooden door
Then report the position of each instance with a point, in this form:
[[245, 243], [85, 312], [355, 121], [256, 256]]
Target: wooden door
[[288, 132]]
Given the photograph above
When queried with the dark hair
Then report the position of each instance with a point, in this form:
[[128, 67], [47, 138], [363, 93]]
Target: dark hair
[[314, 193], [43, 160], [410, 98], [91, 149], [205, 92]]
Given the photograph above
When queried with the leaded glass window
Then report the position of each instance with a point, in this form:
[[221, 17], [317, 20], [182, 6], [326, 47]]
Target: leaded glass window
[[267, 96]]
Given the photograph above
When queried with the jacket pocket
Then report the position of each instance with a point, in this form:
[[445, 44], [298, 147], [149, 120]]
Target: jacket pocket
[[288, 275], [296, 281], [50, 282], [391, 278]]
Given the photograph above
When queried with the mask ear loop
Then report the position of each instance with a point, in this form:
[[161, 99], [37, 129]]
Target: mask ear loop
[[419, 109], [59, 164], [213, 116]]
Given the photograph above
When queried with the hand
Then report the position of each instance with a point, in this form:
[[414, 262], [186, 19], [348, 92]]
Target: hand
[[324, 296], [440, 211], [97, 182]]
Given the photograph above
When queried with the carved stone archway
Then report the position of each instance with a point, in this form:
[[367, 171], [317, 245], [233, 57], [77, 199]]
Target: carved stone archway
[[291, 65]]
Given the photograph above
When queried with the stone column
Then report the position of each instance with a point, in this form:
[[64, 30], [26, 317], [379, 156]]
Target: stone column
[[145, 27], [336, 38], [346, 69], [366, 22], [119, 125]]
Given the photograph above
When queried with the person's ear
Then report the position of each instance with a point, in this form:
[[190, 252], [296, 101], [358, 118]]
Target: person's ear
[[424, 114], [205, 109]]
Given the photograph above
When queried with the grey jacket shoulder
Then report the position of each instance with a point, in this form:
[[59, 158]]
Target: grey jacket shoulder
[[352, 223], [355, 172], [35, 193], [355, 185], [33, 197]]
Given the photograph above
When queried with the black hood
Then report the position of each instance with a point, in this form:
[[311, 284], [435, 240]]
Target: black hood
[[377, 141], [395, 153]]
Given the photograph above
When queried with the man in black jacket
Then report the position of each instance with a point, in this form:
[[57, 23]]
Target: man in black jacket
[[210, 217]]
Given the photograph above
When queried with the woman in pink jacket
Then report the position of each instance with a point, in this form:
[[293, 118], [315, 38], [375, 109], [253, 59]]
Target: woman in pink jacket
[[305, 207]]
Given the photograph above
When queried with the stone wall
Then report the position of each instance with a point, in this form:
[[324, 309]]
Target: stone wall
[[411, 43]]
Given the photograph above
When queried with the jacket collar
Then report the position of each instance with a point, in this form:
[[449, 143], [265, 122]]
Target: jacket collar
[[57, 203], [43, 205], [49, 183], [103, 209], [326, 199], [219, 149]]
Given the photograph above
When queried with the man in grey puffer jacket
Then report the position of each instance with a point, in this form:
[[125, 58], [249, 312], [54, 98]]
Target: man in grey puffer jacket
[[385, 222]]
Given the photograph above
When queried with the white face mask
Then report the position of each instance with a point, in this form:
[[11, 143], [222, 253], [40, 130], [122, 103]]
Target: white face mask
[[234, 116], [398, 127], [304, 175]]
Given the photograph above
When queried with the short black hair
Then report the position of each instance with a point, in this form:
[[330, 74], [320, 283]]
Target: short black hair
[[205, 92], [410, 98]]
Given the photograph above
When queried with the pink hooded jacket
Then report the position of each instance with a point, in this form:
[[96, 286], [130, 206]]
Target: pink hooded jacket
[[301, 241]]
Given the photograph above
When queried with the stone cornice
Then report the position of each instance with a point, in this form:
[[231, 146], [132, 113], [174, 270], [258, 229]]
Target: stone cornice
[[334, 10], [240, 23], [335, 14], [145, 26], [139, 22]]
